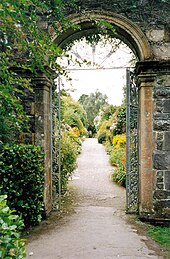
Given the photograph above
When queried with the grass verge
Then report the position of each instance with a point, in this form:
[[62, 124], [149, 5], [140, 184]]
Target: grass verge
[[162, 236]]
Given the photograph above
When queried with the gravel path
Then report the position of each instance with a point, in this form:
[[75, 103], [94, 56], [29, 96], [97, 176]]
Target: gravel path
[[97, 228]]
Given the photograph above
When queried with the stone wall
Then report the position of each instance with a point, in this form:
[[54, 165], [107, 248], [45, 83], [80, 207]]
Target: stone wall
[[161, 132], [154, 136], [151, 16]]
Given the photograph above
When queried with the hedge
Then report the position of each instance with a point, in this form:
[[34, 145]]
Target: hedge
[[22, 180]]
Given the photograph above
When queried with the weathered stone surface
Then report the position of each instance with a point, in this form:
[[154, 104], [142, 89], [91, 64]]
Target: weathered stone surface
[[161, 161], [159, 145], [159, 186], [161, 116], [161, 204], [161, 125], [167, 181], [162, 51], [162, 81], [166, 106], [160, 175], [149, 21], [160, 136], [161, 93], [156, 35], [28, 138], [161, 194], [167, 141], [158, 106], [162, 106], [32, 123]]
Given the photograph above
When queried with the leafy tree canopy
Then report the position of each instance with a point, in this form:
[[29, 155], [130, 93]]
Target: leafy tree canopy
[[73, 113], [92, 104]]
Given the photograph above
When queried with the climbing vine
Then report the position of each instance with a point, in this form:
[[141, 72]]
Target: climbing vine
[[25, 45]]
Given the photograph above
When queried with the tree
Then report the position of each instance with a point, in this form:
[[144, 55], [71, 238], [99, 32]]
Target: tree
[[107, 111], [92, 104], [73, 113]]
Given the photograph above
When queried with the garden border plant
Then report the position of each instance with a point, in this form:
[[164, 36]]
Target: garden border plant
[[22, 180], [11, 244]]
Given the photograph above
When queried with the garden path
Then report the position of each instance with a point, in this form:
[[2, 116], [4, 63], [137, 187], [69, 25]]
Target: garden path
[[96, 226]]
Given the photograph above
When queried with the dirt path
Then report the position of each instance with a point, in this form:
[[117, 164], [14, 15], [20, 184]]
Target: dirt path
[[96, 225]]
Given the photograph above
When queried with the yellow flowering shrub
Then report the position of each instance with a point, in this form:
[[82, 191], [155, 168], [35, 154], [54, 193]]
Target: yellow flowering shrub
[[119, 141], [74, 132]]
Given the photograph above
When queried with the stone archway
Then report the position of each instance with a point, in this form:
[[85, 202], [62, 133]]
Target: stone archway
[[132, 35], [153, 79], [126, 30]]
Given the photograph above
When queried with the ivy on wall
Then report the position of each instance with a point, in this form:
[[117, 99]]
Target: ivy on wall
[[25, 44]]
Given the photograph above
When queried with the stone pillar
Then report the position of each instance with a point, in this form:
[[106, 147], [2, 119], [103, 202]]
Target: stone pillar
[[37, 105], [145, 85], [43, 130], [154, 134]]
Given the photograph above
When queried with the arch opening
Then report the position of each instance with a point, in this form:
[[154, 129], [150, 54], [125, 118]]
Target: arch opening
[[126, 32]]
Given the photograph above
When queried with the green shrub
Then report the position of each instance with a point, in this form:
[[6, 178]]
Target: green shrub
[[120, 121], [116, 156], [22, 180], [118, 159], [119, 175], [70, 148], [11, 244], [102, 137]]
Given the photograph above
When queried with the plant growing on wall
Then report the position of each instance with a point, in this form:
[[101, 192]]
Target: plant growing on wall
[[25, 45]]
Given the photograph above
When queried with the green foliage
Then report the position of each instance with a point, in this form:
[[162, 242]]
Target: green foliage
[[25, 46], [161, 235], [118, 159], [13, 119], [73, 114], [73, 121], [102, 137], [120, 120], [11, 244], [119, 175], [100, 31], [117, 152], [92, 104], [112, 123], [116, 156], [107, 111], [69, 151], [22, 180], [104, 122]]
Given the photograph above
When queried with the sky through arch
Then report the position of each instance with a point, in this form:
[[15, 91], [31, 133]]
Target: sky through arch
[[101, 66]]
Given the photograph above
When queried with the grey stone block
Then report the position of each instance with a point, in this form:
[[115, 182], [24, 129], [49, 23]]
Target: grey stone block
[[167, 180], [161, 125], [160, 93], [166, 145], [161, 161], [166, 106]]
